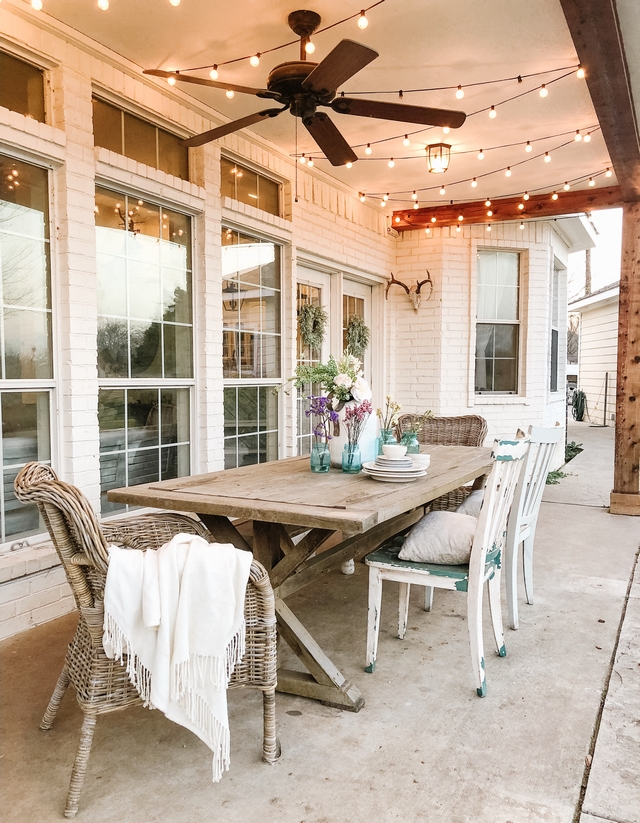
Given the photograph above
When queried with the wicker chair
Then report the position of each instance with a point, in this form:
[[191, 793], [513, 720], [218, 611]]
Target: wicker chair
[[102, 685], [466, 430]]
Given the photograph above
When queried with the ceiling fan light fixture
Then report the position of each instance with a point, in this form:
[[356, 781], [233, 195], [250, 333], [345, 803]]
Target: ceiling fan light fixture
[[349, 165], [309, 47], [362, 20], [438, 157], [213, 74]]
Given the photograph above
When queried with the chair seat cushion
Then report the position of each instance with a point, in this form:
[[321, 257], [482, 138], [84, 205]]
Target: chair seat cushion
[[440, 537], [472, 504], [387, 555]]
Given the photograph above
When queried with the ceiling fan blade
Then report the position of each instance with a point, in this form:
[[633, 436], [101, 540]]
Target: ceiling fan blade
[[335, 147], [345, 60], [399, 111], [235, 125], [202, 81]]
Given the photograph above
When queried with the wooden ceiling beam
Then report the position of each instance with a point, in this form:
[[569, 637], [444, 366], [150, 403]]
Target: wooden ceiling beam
[[595, 30], [507, 208]]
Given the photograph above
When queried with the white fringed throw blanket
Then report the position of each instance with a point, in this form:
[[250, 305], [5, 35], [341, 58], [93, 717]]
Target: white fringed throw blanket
[[178, 616]]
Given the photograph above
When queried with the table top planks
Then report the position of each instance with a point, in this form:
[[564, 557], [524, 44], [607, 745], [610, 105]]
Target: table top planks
[[286, 491]]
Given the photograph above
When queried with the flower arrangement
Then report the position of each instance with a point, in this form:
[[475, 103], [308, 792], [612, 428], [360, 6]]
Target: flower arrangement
[[416, 424], [389, 416], [341, 379], [320, 408], [355, 418]]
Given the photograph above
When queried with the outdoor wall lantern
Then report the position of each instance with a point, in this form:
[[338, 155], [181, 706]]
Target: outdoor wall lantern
[[438, 156], [413, 291], [232, 296]]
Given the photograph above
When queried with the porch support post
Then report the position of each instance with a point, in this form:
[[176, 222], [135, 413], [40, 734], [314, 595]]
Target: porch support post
[[625, 497]]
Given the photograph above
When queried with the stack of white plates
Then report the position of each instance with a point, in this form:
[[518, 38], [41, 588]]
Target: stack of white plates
[[393, 470]]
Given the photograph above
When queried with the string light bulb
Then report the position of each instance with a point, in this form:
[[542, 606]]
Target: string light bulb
[[391, 163], [103, 5], [460, 217], [36, 4], [458, 228], [175, 2], [310, 163], [427, 230], [302, 159], [525, 196], [416, 205], [528, 147], [554, 196], [489, 213], [521, 206], [383, 203], [171, 80], [406, 141], [474, 183], [446, 129], [460, 93], [608, 173], [254, 61], [414, 196], [566, 186], [487, 202], [488, 228], [480, 155], [578, 136], [213, 74], [587, 137], [547, 157], [592, 182], [508, 172], [396, 220], [368, 150], [492, 112], [362, 197], [433, 219], [544, 91], [386, 197], [362, 20], [521, 226], [230, 94], [349, 165], [580, 73], [309, 47], [443, 190]]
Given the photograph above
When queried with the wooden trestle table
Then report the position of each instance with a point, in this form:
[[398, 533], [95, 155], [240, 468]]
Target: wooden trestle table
[[286, 493]]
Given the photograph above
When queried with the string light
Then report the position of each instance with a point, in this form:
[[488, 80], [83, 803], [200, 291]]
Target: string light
[[554, 196], [368, 150], [397, 220], [578, 136], [349, 165], [547, 157], [488, 228], [592, 182], [36, 4], [303, 159], [474, 183], [362, 20], [383, 203], [230, 94], [309, 47], [522, 225], [406, 141], [608, 173], [566, 186], [480, 155], [460, 93], [580, 73], [528, 147], [489, 213], [386, 197], [391, 163], [171, 80], [213, 74], [362, 197], [587, 137], [521, 206], [460, 217], [458, 228], [492, 112], [254, 61], [427, 230], [416, 205], [414, 196], [175, 2], [487, 203], [525, 196], [310, 164], [443, 190], [103, 4], [544, 91], [433, 219], [508, 172]]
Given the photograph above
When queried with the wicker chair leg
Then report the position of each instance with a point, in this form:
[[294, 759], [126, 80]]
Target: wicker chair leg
[[56, 699], [270, 743], [80, 765]]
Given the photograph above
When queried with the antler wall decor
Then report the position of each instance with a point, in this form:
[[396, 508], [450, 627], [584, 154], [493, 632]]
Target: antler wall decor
[[414, 291]]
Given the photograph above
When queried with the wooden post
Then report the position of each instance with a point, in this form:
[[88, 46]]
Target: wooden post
[[625, 497]]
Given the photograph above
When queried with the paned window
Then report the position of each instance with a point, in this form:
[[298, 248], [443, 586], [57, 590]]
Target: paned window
[[21, 87], [553, 373], [26, 363], [351, 307], [497, 326], [309, 356], [251, 347], [126, 134], [247, 186], [145, 340]]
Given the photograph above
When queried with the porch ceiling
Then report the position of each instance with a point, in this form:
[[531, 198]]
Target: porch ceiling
[[421, 45]]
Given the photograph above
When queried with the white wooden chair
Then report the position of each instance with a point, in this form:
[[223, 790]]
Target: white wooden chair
[[483, 567], [524, 513]]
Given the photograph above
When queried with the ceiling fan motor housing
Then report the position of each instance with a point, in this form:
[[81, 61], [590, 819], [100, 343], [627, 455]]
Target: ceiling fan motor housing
[[286, 80]]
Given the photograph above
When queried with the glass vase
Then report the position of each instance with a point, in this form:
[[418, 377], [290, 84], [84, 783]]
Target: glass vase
[[410, 440], [351, 459], [385, 436], [320, 459]]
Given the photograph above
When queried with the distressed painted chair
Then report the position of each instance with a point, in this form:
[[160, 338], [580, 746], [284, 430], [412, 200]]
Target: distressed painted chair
[[102, 685], [483, 567], [523, 519]]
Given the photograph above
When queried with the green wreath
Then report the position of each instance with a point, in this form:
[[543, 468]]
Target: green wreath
[[358, 336], [311, 322]]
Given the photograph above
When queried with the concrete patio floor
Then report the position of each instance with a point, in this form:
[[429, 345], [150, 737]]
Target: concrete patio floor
[[424, 748]]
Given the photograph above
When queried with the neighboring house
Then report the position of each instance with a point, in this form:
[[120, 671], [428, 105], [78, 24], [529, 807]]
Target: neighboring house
[[598, 351], [150, 294]]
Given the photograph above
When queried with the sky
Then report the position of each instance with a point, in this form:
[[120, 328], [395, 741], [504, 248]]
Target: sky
[[605, 257]]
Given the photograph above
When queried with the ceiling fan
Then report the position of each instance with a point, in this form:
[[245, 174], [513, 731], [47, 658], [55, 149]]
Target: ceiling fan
[[301, 87]]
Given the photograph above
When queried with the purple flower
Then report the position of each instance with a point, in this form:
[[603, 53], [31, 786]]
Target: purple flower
[[320, 407]]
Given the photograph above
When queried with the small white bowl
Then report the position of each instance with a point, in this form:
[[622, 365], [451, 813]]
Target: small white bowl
[[394, 450], [421, 461]]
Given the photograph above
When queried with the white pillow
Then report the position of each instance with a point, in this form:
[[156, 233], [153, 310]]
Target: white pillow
[[440, 537], [472, 504]]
